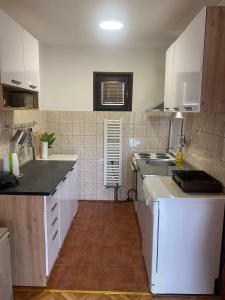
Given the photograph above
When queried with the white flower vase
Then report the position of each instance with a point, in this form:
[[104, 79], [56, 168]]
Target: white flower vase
[[44, 150]]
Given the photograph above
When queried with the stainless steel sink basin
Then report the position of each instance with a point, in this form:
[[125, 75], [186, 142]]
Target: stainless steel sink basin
[[158, 162]]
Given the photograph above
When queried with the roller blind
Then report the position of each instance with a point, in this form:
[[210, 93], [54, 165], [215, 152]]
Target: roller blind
[[112, 92]]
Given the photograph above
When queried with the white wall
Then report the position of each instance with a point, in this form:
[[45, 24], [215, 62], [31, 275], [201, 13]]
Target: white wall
[[67, 75]]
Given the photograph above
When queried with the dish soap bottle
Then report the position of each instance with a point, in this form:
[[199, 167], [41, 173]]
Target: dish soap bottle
[[180, 158]]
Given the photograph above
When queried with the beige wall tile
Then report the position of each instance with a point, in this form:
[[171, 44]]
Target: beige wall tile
[[222, 174], [100, 141], [153, 118], [152, 130], [139, 143], [128, 117], [53, 127], [100, 129], [101, 116], [139, 117], [90, 117], [78, 141], [66, 129], [164, 130], [115, 115], [90, 153], [90, 177], [99, 153], [90, 165], [216, 168], [79, 152], [128, 142], [90, 141], [219, 127], [90, 129], [152, 142], [53, 116], [163, 142], [217, 149], [139, 130], [65, 117], [78, 129], [223, 149], [128, 130], [66, 141], [78, 117]]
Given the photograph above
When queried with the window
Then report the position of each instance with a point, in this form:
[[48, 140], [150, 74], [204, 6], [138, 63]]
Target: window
[[112, 91]]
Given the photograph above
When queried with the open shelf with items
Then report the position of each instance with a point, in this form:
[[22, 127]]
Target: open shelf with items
[[14, 98]]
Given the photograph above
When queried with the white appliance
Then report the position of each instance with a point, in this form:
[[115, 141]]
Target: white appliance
[[154, 156], [181, 237], [5, 266]]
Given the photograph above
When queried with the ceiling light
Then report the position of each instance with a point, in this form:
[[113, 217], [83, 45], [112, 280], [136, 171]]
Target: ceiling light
[[111, 25]]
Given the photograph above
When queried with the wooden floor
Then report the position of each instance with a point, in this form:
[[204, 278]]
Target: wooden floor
[[102, 251], [73, 295], [20, 294]]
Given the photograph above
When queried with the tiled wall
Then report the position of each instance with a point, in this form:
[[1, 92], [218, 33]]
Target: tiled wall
[[18, 117], [207, 149], [82, 133]]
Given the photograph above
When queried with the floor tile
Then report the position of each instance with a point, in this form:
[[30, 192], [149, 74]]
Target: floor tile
[[102, 250], [118, 278]]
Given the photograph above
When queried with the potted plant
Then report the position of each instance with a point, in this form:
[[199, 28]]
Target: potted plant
[[47, 140]]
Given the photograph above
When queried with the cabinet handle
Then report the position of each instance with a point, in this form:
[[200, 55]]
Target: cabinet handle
[[53, 208], [53, 223], [53, 193], [176, 108], [16, 81], [32, 86], [64, 178], [54, 236]]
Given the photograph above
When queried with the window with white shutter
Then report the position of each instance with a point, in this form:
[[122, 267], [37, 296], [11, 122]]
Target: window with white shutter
[[113, 91]]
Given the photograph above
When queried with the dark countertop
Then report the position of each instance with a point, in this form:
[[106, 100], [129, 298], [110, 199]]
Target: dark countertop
[[40, 177], [146, 169]]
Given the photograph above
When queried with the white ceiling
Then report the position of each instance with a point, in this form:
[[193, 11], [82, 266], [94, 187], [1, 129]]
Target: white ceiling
[[147, 23]]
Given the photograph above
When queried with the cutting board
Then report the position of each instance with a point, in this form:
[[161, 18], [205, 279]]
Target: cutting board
[[37, 148]]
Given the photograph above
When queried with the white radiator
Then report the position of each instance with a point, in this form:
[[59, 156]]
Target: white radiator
[[113, 152]]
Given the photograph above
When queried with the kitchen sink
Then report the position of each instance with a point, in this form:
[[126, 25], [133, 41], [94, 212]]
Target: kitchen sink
[[159, 162]]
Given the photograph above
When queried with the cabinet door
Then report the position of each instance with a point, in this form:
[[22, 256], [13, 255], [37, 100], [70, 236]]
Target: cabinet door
[[63, 209], [51, 229], [73, 194], [31, 61], [188, 62], [11, 51], [169, 72]]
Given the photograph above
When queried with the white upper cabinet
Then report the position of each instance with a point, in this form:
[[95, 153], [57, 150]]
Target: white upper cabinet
[[11, 51], [188, 63], [184, 63], [168, 91], [31, 61], [19, 55]]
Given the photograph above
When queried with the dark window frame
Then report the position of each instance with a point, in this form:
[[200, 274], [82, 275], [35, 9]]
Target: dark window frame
[[98, 77]]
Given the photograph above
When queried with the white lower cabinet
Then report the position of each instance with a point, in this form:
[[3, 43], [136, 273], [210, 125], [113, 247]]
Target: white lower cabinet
[[60, 208], [51, 229]]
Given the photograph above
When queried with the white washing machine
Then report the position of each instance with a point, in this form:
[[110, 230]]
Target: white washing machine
[[181, 237]]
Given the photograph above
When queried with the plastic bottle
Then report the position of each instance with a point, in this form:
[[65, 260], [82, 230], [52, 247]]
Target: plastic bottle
[[180, 158]]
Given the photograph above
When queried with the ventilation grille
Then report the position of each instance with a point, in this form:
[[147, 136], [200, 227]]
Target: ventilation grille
[[112, 92], [113, 152]]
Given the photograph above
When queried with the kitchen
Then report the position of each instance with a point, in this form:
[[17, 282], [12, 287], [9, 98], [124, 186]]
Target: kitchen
[[65, 64]]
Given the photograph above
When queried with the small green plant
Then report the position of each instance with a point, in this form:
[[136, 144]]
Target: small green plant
[[48, 137]]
